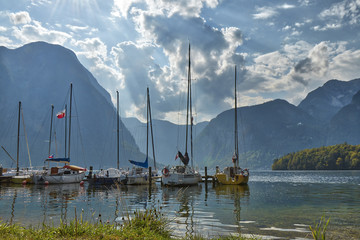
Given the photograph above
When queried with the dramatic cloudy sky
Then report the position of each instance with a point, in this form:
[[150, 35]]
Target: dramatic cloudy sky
[[283, 49]]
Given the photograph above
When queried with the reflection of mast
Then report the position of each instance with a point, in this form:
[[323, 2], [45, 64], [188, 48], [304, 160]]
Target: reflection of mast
[[13, 207]]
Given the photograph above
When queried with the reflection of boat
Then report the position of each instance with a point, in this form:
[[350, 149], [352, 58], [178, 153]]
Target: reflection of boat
[[183, 175], [233, 175], [231, 190], [111, 175], [67, 173], [139, 174]]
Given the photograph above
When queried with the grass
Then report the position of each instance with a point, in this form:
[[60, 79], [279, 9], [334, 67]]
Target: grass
[[147, 225], [319, 230]]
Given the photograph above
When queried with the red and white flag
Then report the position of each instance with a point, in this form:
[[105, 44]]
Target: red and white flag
[[61, 114], [176, 157]]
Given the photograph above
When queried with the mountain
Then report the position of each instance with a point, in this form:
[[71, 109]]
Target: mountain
[[39, 74], [168, 137], [266, 131], [344, 126], [324, 102]]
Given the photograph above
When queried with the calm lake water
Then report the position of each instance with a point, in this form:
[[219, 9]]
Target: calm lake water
[[273, 205]]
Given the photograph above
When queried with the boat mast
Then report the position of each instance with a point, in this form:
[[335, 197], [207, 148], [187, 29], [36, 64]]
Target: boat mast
[[187, 104], [147, 125], [151, 129], [66, 129], [236, 162], [191, 117], [118, 120], [51, 122], [18, 143], [70, 119]]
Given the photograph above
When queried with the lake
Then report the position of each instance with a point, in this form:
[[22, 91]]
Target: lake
[[275, 204]]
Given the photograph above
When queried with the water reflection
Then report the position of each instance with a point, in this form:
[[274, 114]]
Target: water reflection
[[277, 208], [184, 213]]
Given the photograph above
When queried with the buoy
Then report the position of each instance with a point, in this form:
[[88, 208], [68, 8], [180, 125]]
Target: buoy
[[81, 183], [46, 183], [24, 182]]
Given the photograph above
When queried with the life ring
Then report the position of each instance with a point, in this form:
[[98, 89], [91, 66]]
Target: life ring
[[165, 172]]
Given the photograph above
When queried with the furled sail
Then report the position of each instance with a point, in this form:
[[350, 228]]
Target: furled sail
[[184, 158], [140, 164]]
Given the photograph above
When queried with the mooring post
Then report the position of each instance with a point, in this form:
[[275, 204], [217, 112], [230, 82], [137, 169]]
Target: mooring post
[[150, 177], [206, 176], [90, 172]]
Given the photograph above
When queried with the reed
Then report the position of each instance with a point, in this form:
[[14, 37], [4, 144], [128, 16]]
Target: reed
[[319, 230]]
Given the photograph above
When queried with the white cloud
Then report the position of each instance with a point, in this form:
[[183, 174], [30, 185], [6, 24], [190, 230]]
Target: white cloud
[[345, 12], [3, 29], [269, 12], [188, 8], [20, 18], [36, 32], [77, 28], [344, 65], [92, 47], [265, 12]]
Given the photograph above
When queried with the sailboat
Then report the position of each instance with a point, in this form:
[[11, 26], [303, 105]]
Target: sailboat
[[233, 175], [139, 173], [111, 175], [68, 173], [23, 176], [183, 175]]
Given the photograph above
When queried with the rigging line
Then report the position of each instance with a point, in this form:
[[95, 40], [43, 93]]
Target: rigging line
[[121, 140], [26, 140], [79, 130], [40, 129], [12, 122]]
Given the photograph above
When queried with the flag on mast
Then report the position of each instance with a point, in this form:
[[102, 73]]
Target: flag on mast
[[61, 114]]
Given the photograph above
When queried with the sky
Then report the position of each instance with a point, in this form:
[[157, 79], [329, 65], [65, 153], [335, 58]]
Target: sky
[[282, 49]]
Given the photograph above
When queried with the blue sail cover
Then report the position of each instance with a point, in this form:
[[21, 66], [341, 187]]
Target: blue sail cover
[[61, 160], [140, 164]]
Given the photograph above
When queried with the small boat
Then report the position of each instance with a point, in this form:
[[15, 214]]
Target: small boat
[[139, 173], [183, 175], [68, 173], [111, 175], [20, 176], [233, 175]]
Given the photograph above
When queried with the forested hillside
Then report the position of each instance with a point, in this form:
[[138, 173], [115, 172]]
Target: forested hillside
[[337, 157]]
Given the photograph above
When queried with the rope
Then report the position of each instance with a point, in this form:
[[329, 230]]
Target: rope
[[26, 140]]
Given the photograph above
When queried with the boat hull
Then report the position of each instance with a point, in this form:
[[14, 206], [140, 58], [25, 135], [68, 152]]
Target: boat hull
[[59, 179], [138, 180], [106, 181], [21, 179], [237, 179], [178, 179]]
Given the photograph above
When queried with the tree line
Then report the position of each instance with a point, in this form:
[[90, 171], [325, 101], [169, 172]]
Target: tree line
[[336, 157]]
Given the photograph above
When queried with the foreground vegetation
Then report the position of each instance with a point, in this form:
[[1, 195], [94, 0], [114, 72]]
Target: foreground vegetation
[[337, 157], [149, 224]]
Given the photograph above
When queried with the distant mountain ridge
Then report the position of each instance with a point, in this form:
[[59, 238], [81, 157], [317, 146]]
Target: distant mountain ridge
[[328, 115], [39, 74], [324, 102], [168, 137]]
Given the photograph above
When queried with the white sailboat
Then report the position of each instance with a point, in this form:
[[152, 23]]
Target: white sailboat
[[21, 176], [139, 173], [233, 175], [66, 174], [183, 175], [111, 175]]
